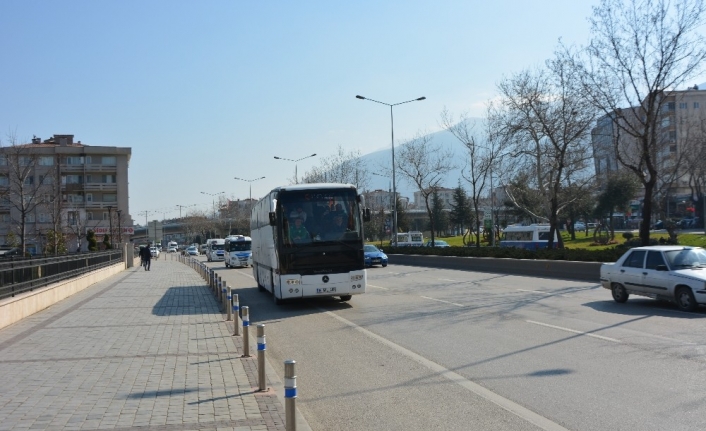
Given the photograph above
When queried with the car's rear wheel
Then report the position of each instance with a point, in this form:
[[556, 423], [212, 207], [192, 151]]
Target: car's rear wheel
[[620, 295], [384, 265], [685, 299]]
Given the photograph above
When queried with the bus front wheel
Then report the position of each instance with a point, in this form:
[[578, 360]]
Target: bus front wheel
[[345, 298]]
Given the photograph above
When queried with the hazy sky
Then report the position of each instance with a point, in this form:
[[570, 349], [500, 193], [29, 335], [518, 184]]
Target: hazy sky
[[206, 91]]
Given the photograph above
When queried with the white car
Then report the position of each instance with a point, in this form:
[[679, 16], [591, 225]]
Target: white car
[[580, 226], [154, 251], [673, 273], [172, 249]]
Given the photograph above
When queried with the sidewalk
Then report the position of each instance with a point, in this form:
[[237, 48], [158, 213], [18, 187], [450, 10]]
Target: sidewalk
[[145, 349]]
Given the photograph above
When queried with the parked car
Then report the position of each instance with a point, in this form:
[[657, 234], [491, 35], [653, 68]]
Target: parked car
[[192, 251], [437, 243], [155, 252], [10, 252], [666, 272], [580, 226], [172, 249], [374, 256]]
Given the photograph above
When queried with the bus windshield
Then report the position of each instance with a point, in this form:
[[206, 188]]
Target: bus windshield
[[239, 246], [319, 217]]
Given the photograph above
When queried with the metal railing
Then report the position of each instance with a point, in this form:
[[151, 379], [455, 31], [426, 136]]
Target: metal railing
[[23, 275]]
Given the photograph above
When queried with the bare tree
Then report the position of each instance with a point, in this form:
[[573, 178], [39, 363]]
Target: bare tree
[[544, 121], [424, 165], [638, 50], [25, 188], [341, 167], [481, 157]]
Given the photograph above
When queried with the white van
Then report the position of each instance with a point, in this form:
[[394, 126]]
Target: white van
[[238, 250], [532, 237], [410, 239], [216, 250]]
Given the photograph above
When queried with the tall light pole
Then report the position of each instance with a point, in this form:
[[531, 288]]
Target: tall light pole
[[394, 181], [249, 181], [183, 206], [110, 223], [296, 178], [120, 230], [213, 200]]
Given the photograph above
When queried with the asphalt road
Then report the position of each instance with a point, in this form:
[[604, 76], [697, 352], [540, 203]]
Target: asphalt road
[[454, 350]]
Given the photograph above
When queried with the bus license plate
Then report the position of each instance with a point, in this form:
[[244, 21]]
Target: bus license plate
[[325, 289]]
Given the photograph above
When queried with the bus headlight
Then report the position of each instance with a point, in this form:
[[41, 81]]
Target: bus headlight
[[356, 277]]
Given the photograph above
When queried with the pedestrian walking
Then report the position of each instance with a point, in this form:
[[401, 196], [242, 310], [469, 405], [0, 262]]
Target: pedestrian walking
[[146, 256]]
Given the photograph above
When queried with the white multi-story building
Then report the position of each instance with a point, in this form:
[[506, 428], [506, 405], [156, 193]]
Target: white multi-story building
[[58, 184]]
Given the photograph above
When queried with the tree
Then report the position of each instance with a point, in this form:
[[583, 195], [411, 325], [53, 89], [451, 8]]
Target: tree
[[92, 242], [482, 157], [544, 121], [460, 215], [638, 50], [620, 189], [341, 167], [441, 219], [24, 188], [424, 165], [106, 242]]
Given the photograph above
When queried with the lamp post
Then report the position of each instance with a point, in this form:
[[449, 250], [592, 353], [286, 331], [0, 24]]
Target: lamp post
[[213, 200], [120, 230], [296, 178], [110, 223], [183, 206], [250, 182], [394, 182]]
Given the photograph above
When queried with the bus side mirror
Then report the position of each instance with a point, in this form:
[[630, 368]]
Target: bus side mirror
[[366, 214], [273, 219]]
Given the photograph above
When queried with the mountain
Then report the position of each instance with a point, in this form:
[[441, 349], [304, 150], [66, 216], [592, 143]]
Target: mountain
[[381, 161]]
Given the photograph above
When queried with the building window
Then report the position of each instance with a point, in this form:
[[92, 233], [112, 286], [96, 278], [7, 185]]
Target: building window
[[4, 181], [74, 160], [5, 217], [108, 179], [28, 181], [110, 198], [3, 160], [72, 218], [672, 148], [89, 215], [29, 218], [43, 218], [109, 161], [25, 160], [46, 179], [75, 199], [672, 135], [105, 216], [46, 161], [669, 106], [682, 105], [89, 197], [89, 160], [696, 105], [73, 179]]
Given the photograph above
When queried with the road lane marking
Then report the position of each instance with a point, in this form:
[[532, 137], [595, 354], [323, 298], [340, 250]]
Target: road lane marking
[[445, 279], [502, 402], [574, 331], [534, 291], [377, 287], [445, 302]]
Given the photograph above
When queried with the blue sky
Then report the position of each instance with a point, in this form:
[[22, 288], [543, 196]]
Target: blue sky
[[206, 91]]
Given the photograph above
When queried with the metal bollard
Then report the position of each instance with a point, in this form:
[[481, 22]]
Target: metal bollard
[[290, 395], [261, 348], [229, 303], [236, 314], [224, 293], [246, 333]]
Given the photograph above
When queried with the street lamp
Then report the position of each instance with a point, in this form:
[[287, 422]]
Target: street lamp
[[184, 206], [250, 181], [120, 230], [110, 223], [213, 200], [296, 178], [394, 181]]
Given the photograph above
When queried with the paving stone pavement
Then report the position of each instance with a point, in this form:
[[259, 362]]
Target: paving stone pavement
[[145, 350]]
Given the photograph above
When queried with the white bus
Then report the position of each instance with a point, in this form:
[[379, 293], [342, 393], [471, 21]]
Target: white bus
[[315, 252], [216, 249], [410, 239], [531, 237], [238, 251]]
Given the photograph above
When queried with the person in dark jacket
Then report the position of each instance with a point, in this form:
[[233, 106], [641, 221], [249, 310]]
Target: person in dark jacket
[[146, 256]]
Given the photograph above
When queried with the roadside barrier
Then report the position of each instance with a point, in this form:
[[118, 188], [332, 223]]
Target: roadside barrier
[[237, 314], [261, 348], [246, 326], [290, 395]]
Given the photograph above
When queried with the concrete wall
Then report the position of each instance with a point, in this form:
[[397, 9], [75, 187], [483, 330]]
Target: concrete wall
[[579, 271], [26, 304]]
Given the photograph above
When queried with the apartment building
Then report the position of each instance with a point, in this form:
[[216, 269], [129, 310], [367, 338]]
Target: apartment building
[[61, 185]]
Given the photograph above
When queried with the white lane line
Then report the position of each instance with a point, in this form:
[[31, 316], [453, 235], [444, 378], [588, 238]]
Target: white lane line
[[534, 291], [512, 407], [445, 302], [445, 279], [574, 331], [377, 287]]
